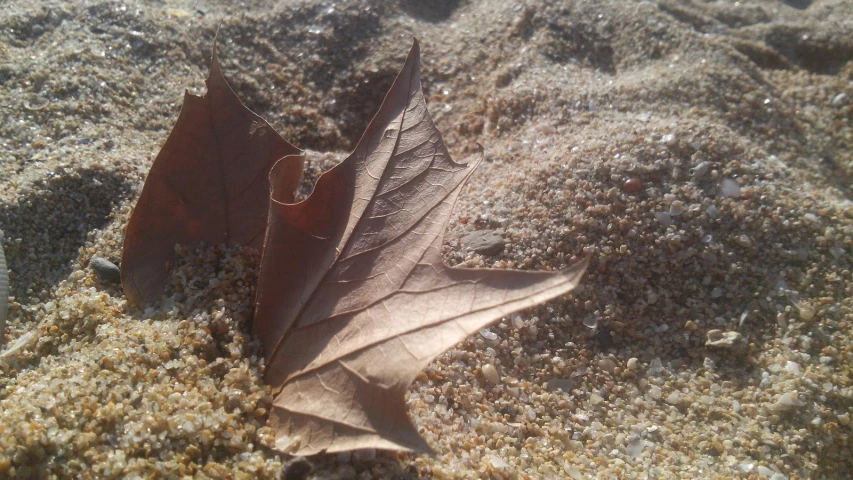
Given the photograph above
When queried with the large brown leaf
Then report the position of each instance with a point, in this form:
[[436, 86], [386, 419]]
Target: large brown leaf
[[209, 183], [354, 299]]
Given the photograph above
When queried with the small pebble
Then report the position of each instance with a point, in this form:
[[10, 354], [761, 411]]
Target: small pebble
[[590, 322], [106, 270], [839, 99], [700, 170], [491, 374], [732, 341], [632, 185], [607, 364], [729, 188], [484, 242], [787, 401]]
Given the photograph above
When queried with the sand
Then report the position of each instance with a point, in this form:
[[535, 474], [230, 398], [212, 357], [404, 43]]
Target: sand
[[701, 151]]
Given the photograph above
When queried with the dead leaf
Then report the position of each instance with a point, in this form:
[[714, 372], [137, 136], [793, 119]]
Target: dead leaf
[[354, 299], [209, 183]]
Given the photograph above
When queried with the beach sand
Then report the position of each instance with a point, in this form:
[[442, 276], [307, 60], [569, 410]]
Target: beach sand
[[702, 151]]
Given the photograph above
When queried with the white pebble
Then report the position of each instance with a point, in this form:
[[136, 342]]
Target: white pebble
[[655, 393], [572, 471], [635, 447], [491, 374], [590, 322], [676, 208], [655, 367], [497, 462], [633, 363], [674, 398], [489, 335], [787, 401], [806, 311], [729, 188], [712, 211], [651, 298], [793, 367], [607, 364]]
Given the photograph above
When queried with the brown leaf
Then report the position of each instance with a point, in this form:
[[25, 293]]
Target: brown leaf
[[354, 299], [209, 183]]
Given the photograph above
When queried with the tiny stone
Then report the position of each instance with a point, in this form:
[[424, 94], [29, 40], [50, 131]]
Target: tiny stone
[[806, 311], [497, 462], [732, 341], [484, 242], [793, 367], [632, 185], [664, 218], [635, 447], [729, 188], [607, 364], [787, 401], [655, 367], [489, 335], [106, 270], [651, 298], [676, 208], [633, 363], [700, 170], [590, 322], [655, 393], [491, 374], [838, 99], [573, 472]]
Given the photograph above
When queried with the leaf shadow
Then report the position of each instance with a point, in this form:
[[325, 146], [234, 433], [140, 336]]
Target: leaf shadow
[[52, 222], [435, 11]]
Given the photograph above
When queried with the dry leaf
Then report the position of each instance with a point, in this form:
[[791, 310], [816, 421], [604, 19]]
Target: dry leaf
[[209, 183], [354, 299]]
